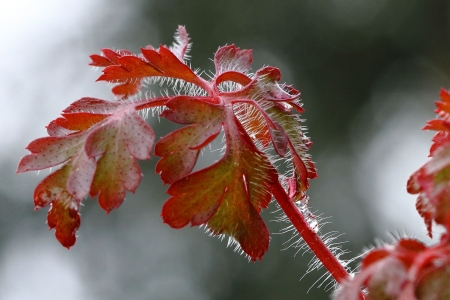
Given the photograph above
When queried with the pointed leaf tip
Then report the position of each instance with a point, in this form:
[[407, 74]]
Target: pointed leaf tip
[[180, 46], [445, 95], [99, 61]]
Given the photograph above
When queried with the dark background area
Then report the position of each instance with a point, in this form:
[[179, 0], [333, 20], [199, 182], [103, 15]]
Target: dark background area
[[368, 72]]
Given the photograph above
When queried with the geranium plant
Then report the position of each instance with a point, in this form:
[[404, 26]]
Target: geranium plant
[[96, 144]]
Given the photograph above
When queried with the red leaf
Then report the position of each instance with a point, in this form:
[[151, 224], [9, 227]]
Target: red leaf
[[285, 128], [77, 121], [114, 56], [264, 86], [263, 89], [170, 65], [413, 186], [440, 139], [66, 221], [440, 125], [115, 139], [111, 57], [180, 149], [237, 77], [227, 196], [93, 106], [254, 122], [445, 95], [130, 68], [426, 211], [119, 141], [50, 151], [392, 271], [100, 61], [54, 190], [72, 178], [410, 245], [230, 58], [127, 89], [373, 256], [290, 128], [181, 45]]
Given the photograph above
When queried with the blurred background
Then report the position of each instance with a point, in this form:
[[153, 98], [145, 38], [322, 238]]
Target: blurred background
[[369, 72]]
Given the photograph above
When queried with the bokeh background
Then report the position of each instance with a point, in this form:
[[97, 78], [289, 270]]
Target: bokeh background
[[368, 71]]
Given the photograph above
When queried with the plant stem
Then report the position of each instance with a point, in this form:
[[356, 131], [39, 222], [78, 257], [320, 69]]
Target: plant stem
[[311, 238]]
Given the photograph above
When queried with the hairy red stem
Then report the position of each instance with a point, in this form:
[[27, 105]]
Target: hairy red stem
[[311, 238]]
